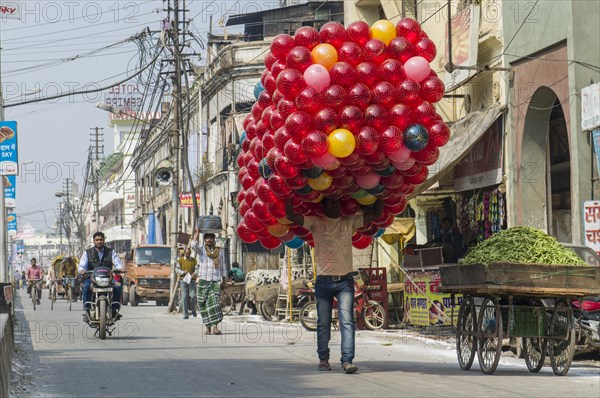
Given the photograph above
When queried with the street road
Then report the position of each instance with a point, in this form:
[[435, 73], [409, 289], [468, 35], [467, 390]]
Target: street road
[[155, 354]]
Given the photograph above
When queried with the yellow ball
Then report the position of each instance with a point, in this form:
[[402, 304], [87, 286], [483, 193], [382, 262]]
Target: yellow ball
[[383, 30], [320, 183], [341, 143], [367, 200], [284, 221], [324, 54], [318, 199], [278, 229]]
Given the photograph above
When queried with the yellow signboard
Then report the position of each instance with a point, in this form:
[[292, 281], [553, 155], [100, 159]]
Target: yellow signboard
[[425, 305]]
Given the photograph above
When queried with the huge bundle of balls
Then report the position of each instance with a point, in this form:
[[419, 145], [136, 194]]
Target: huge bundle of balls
[[341, 113]]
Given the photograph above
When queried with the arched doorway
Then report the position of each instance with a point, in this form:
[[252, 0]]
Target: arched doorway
[[546, 168]]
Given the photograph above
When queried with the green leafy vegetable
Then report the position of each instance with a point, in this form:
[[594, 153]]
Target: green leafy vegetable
[[525, 245]]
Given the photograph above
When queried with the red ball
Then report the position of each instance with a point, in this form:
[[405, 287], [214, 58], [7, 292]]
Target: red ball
[[280, 137], [277, 68], [261, 210], [358, 32], [277, 209], [296, 182], [300, 231], [349, 207], [376, 116], [326, 120], [270, 60], [401, 49], [247, 181], [266, 115], [294, 152], [277, 121], [278, 186], [333, 33], [350, 160], [391, 139], [409, 28], [270, 84], [426, 49], [367, 73], [244, 207], [264, 100], [418, 178], [286, 168], [409, 92], [306, 36], [367, 141], [281, 45], [309, 100], [393, 181], [392, 71], [351, 118], [286, 107], [273, 154], [298, 124], [343, 74], [246, 144], [335, 97], [299, 58], [396, 208], [251, 195], [374, 157], [432, 89], [350, 52], [264, 192], [252, 168], [439, 134], [362, 243], [252, 222], [359, 95], [375, 51], [247, 120], [427, 156], [277, 96], [384, 93], [425, 113], [401, 116], [270, 242], [344, 181], [261, 129], [315, 144], [245, 233], [290, 82]]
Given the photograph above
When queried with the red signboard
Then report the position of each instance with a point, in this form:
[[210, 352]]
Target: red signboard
[[185, 200]]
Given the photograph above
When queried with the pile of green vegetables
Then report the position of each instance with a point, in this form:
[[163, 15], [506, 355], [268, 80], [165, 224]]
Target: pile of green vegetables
[[524, 245]]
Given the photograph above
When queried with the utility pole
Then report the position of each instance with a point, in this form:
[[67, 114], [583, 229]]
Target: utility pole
[[98, 138]]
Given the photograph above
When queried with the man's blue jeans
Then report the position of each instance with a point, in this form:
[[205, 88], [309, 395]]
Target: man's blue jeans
[[343, 290], [188, 297], [86, 293]]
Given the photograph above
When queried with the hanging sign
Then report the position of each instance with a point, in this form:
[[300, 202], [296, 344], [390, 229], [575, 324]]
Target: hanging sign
[[8, 148], [591, 224]]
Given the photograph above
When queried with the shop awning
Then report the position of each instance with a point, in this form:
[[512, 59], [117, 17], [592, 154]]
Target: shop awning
[[401, 229], [464, 134]]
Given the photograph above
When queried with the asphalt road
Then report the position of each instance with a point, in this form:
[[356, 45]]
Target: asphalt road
[[155, 354]]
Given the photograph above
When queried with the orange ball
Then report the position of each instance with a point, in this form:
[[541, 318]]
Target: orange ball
[[324, 54]]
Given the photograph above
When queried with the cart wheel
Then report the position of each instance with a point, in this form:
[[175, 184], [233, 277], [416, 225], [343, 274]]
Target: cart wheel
[[466, 340], [534, 348], [561, 341], [374, 315], [268, 307], [226, 303], [489, 343]]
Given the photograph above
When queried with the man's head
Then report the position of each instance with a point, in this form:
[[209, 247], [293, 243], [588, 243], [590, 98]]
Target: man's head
[[188, 252], [331, 207], [209, 239], [235, 265], [447, 223], [33, 262], [99, 240]]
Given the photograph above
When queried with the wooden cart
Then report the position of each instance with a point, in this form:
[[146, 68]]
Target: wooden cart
[[233, 293], [530, 301]]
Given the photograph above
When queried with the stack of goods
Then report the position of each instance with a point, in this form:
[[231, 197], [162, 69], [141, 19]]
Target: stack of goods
[[341, 113], [523, 245]]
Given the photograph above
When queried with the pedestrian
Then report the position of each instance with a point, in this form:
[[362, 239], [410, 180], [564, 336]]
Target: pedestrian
[[100, 256], [17, 280], [212, 273], [23, 280], [333, 246], [186, 266], [235, 274]]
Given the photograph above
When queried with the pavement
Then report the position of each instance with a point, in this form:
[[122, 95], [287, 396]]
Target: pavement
[[156, 354]]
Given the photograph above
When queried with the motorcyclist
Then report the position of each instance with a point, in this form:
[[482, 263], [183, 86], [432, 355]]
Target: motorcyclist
[[68, 273], [34, 275], [100, 256]]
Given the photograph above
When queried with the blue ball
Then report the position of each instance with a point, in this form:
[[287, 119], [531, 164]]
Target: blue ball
[[313, 172], [388, 171], [377, 190], [379, 233], [416, 137], [259, 88], [295, 243], [263, 169], [242, 137]]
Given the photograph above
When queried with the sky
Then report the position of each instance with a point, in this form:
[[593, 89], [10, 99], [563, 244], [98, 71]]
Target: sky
[[53, 49]]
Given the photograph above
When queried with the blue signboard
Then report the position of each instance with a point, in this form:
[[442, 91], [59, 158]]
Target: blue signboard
[[8, 148], [11, 223], [10, 191], [596, 139]]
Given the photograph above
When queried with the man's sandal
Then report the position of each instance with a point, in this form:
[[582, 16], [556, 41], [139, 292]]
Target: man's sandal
[[324, 366], [208, 331]]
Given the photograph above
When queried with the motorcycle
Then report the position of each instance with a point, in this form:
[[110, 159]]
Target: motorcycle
[[100, 313], [587, 318]]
